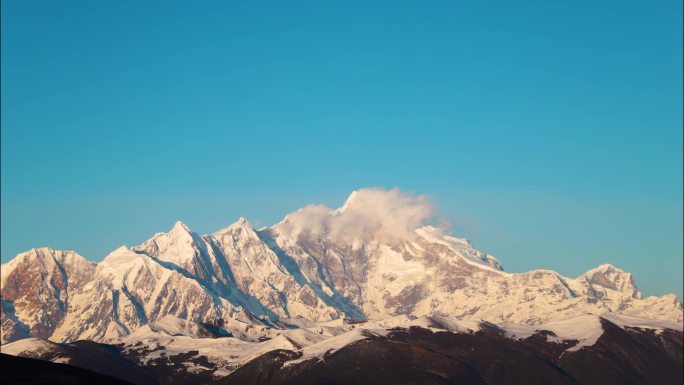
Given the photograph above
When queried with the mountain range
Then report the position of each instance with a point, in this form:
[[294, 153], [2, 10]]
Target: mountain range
[[318, 282]]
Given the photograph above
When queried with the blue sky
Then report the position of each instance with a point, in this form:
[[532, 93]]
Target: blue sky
[[549, 133]]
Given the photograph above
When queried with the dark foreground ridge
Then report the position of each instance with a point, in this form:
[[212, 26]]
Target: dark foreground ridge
[[21, 370], [419, 356], [407, 356]]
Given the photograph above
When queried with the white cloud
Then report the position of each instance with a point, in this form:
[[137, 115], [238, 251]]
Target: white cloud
[[310, 219], [368, 214]]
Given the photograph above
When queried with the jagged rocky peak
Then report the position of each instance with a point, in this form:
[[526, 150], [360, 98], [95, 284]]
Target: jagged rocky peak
[[178, 246], [239, 239], [237, 227], [46, 257], [36, 287], [241, 222], [610, 277], [180, 227], [53, 268]]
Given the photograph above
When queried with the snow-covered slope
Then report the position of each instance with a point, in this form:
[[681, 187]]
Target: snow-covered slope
[[372, 259], [131, 289], [260, 273]]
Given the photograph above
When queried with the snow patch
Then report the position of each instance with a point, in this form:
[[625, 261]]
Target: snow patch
[[336, 343], [19, 347]]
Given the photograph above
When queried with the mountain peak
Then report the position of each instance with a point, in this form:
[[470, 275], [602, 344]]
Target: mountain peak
[[118, 264], [41, 252], [241, 223], [47, 255], [613, 278], [178, 246], [354, 196], [608, 267], [605, 268], [43, 249], [180, 227], [121, 251]]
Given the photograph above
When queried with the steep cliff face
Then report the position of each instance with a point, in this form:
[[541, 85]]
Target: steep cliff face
[[37, 287]]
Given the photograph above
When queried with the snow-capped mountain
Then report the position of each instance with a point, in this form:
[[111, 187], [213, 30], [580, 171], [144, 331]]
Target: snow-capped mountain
[[36, 291], [372, 259]]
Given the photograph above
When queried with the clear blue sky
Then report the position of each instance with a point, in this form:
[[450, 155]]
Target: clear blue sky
[[549, 132]]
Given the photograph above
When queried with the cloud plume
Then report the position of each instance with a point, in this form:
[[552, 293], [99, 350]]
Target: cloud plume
[[368, 214]]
